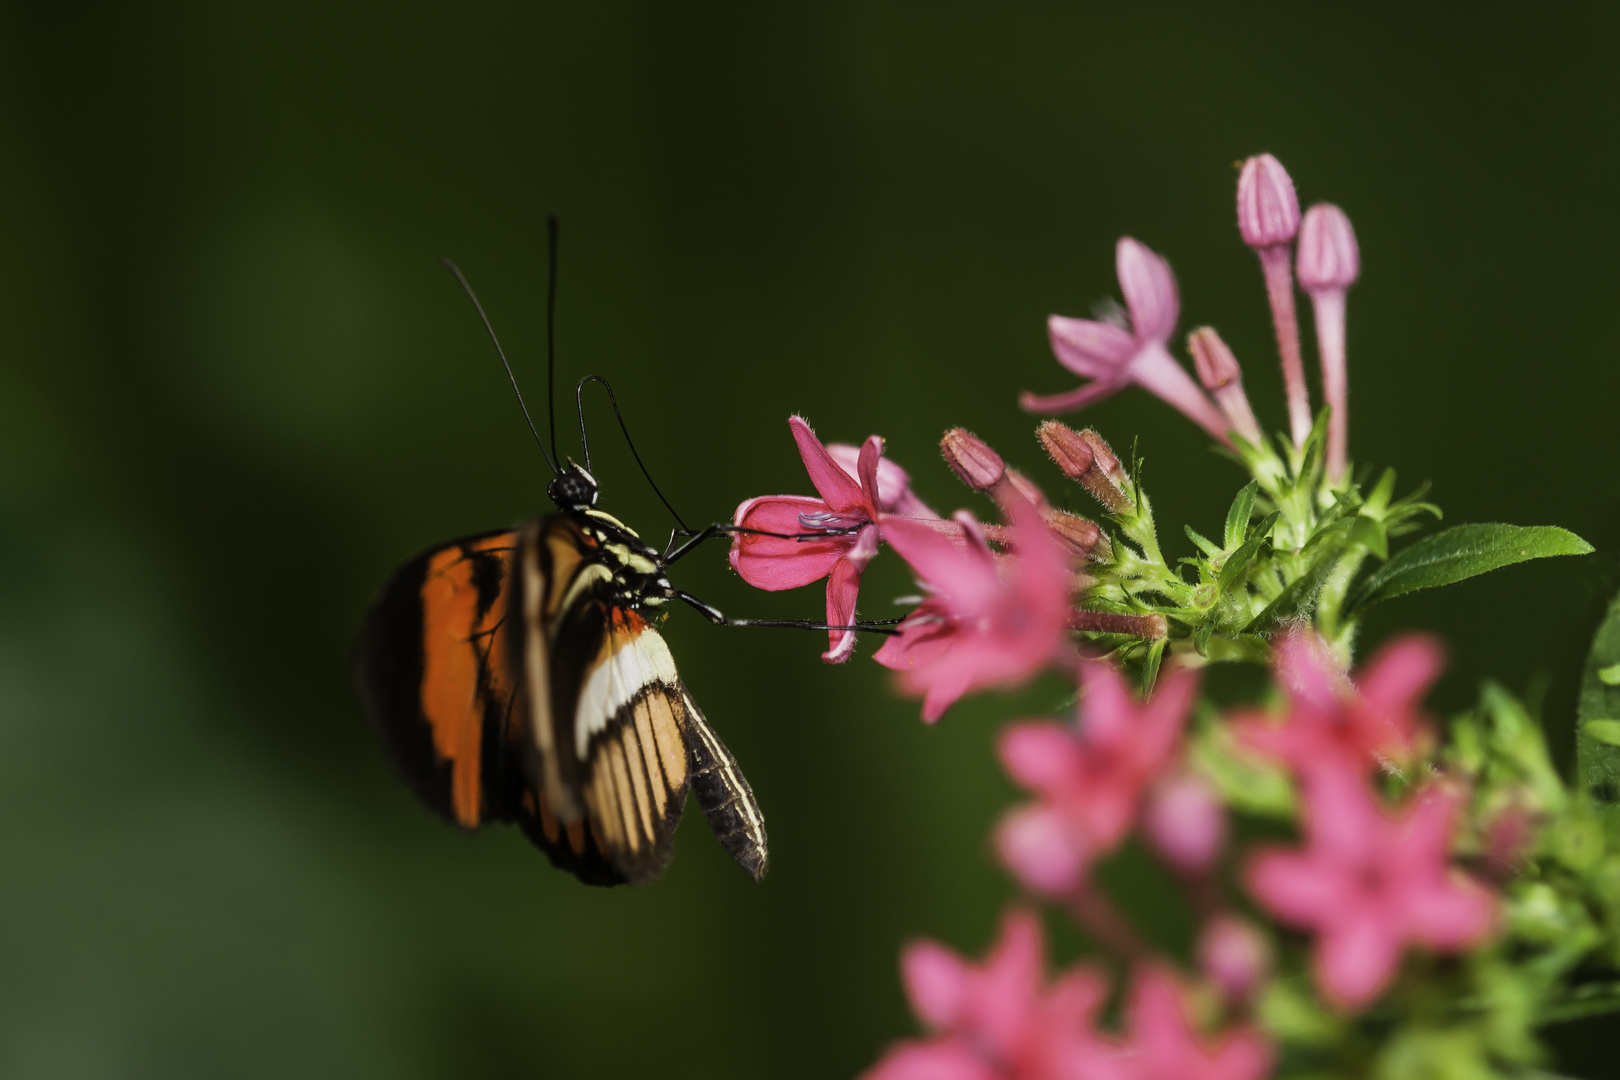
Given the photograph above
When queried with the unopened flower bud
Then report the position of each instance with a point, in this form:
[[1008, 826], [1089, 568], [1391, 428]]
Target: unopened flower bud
[[1268, 209], [1153, 627], [1233, 954], [1219, 372], [1085, 457], [1185, 823], [1078, 536], [1328, 257], [978, 466], [1025, 488]]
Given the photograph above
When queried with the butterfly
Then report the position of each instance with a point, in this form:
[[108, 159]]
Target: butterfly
[[517, 676]]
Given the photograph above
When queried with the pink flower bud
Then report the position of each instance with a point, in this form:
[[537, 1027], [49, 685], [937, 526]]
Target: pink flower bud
[[1185, 823], [1079, 536], [1233, 954], [1085, 457], [978, 466], [1328, 257], [1219, 372], [1036, 844], [1268, 209]]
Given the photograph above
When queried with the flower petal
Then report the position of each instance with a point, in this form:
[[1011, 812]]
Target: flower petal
[[1072, 400], [836, 486], [936, 981], [894, 485], [1356, 958], [1093, 349], [1293, 887], [867, 470], [843, 586], [1149, 288], [1450, 914], [1040, 755], [1036, 844], [937, 1059], [771, 563], [964, 576], [1400, 673]]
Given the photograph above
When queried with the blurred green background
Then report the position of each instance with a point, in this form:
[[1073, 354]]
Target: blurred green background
[[236, 389]]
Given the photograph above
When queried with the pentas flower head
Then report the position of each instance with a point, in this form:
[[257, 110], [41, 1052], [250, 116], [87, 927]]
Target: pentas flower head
[[831, 537], [1369, 883], [1113, 357], [1163, 1044], [979, 627], [1090, 777], [997, 1020], [1334, 719]]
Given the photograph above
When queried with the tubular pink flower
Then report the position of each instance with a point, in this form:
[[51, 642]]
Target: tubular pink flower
[[846, 514], [1113, 358], [1328, 264], [1268, 218], [1219, 372], [978, 629], [1333, 719], [1163, 1045], [1369, 883], [1090, 778], [998, 1021]]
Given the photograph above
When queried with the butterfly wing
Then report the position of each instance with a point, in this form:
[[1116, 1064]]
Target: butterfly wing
[[620, 740], [433, 671]]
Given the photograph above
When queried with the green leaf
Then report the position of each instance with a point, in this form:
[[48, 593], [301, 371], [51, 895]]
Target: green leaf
[[1201, 638], [1462, 552], [1206, 545], [1299, 596], [1237, 518], [1597, 757], [1150, 667], [1243, 556], [1370, 534]]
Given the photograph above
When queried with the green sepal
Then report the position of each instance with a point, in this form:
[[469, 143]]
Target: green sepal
[[1207, 546], [1150, 666], [1371, 535], [1462, 552], [1300, 595], [1237, 518]]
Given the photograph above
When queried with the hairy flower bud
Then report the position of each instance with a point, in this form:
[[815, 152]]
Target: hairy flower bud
[[1085, 457], [1328, 257], [1079, 536], [978, 466], [1268, 209]]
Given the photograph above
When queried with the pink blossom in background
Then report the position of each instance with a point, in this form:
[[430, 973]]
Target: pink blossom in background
[[1184, 822], [1090, 777], [1163, 1045], [997, 1020], [1373, 717], [1114, 358], [979, 628], [847, 512], [1233, 955], [1368, 883]]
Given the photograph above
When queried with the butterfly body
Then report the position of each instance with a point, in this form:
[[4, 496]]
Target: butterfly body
[[516, 676]]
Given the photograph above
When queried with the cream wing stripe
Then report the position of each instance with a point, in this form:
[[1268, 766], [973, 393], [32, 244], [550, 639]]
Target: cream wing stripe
[[640, 660]]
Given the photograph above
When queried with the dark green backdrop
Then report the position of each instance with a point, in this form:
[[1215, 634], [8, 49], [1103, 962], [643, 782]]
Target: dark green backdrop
[[236, 388]]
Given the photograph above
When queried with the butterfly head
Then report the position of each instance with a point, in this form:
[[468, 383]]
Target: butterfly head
[[573, 488]]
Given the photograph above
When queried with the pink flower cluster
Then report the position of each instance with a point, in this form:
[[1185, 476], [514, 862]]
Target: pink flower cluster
[[990, 618], [1002, 1021], [1326, 264], [1369, 880]]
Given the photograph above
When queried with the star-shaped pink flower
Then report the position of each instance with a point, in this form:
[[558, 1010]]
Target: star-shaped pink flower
[[844, 518], [1163, 1045], [1368, 883], [1090, 777], [991, 620], [996, 1020], [1375, 716], [1114, 358]]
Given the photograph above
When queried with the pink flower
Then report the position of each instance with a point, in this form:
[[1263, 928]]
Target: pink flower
[[1368, 883], [996, 1021], [1090, 778], [1329, 263], [846, 516], [1184, 822], [979, 628], [1163, 1044], [1268, 218], [1374, 717], [1113, 357]]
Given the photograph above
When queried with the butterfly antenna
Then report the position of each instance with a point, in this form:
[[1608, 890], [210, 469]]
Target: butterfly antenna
[[456, 270], [579, 398], [552, 229]]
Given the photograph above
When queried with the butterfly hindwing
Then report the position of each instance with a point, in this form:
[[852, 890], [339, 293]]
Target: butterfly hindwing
[[431, 671]]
